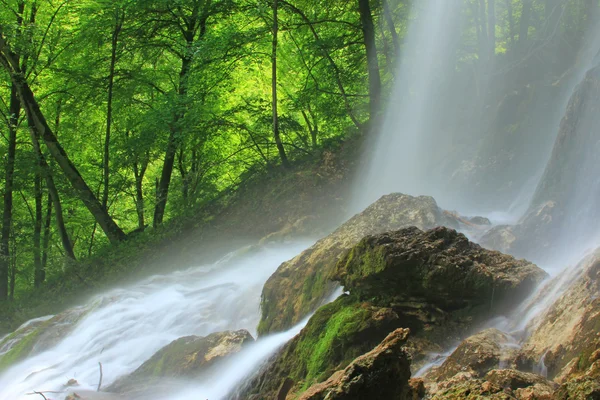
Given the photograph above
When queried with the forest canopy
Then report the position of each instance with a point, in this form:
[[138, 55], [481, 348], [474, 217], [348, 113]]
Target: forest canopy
[[118, 116]]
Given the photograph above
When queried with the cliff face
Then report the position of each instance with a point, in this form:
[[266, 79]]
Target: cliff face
[[563, 212]]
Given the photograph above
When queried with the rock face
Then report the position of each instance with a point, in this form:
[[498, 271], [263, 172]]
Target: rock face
[[439, 267], [435, 283], [300, 285], [186, 357], [477, 355], [564, 207], [335, 335], [567, 334], [38, 335], [382, 373], [503, 384]]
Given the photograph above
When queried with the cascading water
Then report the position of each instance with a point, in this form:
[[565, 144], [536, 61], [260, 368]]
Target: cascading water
[[124, 327], [401, 159], [445, 135]]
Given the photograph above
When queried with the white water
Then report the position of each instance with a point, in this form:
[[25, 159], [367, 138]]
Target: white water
[[125, 327], [402, 157]]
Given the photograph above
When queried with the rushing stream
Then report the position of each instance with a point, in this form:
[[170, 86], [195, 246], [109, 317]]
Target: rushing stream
[[124, 327]]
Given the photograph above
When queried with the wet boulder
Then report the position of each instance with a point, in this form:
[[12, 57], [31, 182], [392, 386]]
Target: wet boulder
[[186, 357], [39, 335], [382, 373], [300, 285], [565, 338], [334, 336], [435, 283], [440, 267], [477, 355]]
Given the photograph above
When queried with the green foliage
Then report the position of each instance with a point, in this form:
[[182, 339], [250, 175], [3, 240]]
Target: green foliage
[[212, 90]]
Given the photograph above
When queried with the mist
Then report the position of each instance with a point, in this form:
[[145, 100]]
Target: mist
[[489, 129]]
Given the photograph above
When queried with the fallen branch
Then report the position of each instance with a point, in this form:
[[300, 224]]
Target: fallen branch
[[100, 382], [41, 394]]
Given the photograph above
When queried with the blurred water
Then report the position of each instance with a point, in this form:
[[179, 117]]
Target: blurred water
[[125, 327]]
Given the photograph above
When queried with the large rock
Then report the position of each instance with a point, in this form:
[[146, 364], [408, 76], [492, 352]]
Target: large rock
[[187, 357], [335, 335], [300, 285], [382, 373], [506, 384], [477, 355], [566, 336], [436, 283], [440, 267], [39, 335]]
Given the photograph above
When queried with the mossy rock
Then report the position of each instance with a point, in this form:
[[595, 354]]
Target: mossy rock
[[334, 336], [186, 357], [440, 267], [579, 389], [300, 285], [38, 335]]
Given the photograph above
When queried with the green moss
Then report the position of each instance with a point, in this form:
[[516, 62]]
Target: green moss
[[322, 353], [21, 349], [360, 262], [337, 333]]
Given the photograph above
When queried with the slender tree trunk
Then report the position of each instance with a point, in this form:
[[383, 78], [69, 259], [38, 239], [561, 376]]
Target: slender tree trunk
[[387, 14], [366, 19], [524, 25], [38, 121], [387, 53], [139, 192], [46, 240], [276, 133], [511, 22], [14, 110], [185, 184], [109, 107], [47, 173], [13, 269], [491, 28], [334, 67], [484, 50], [162, 192], [38, 276]]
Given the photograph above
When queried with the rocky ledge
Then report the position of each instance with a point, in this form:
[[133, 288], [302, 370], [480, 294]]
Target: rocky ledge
[[300, 286]]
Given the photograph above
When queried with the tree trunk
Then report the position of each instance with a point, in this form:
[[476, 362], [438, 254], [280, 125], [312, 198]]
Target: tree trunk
[[491, 28], [484, 50], [368, 29], [39, 275], [276, 135], [387, 14], [524, 25], [47, 173], [139, 194], [13, 269], [111, 82], [14, 110], [46, 240], [38, 121], [162, 192], [511, 22]]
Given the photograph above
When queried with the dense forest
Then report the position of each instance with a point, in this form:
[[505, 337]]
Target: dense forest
[[118, 116]]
